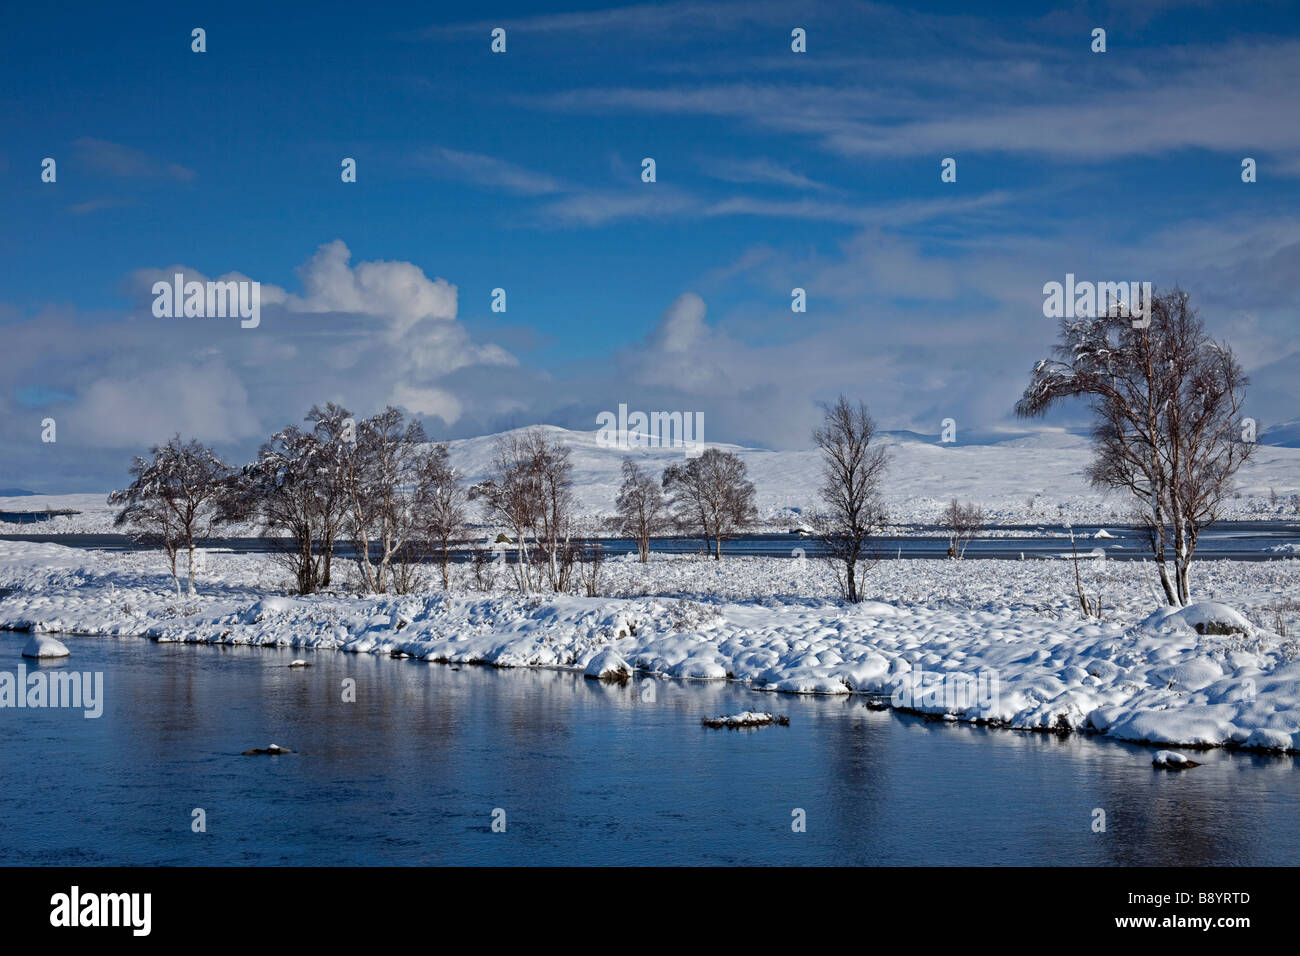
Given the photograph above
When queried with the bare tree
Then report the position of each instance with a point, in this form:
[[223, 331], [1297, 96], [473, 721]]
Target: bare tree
[[440, 504], [509, 496], [334, 429], [588, 555], [711, 494], [554, 514], [382, 516], [530, 491], [642, 511], [964, 522], [175, 498], [852, 471], [283, 491], [1165, 400], [1091, 607], [480, 558]]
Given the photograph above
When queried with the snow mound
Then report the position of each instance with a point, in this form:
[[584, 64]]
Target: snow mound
[[44, 646], [1103, 533], [608, 665], [1203, 617]]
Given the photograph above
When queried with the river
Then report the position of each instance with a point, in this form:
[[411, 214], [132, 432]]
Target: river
[[412, 771]]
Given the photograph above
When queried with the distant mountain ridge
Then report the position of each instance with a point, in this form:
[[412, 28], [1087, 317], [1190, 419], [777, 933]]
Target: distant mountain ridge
[[1282, 435], [1046, 466]]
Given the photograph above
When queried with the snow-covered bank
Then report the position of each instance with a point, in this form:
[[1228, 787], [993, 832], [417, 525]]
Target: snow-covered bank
[[1134, 675]]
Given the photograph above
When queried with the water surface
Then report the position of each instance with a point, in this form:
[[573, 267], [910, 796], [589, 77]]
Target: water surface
[[586, 773]]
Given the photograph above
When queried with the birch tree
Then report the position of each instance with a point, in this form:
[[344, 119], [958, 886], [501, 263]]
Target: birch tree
[[642, 511], [1166, 401], [440, 504], [175, 499], [852, 471], [712, 495]]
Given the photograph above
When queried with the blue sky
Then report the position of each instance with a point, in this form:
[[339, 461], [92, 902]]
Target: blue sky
[[522, 171]]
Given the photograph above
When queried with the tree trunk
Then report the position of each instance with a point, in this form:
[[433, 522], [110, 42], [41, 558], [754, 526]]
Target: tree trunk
[[171, 556]]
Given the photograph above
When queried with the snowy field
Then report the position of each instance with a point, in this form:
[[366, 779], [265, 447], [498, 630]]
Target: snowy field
[[1031, 480], [991, 641]]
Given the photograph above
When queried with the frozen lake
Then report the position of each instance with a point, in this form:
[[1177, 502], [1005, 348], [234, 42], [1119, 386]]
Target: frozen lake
[[411, 772]]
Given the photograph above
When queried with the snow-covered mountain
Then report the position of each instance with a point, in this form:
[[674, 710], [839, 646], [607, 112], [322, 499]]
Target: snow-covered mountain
[[1039, 475], [1283, 434], [1036, 477]]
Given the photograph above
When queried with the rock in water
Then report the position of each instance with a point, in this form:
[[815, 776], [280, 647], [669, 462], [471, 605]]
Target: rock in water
[[1169, 760], [42, 645], [272, 750], [749, 718]]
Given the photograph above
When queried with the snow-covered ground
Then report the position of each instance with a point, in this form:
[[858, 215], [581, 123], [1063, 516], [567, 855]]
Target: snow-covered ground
[[1026, 480], [996, 641]]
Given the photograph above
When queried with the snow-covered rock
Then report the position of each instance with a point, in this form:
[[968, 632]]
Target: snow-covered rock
[[274, 750], [1203, 617], [44, 646], [1171, 760], [608, 665], [749, 718]]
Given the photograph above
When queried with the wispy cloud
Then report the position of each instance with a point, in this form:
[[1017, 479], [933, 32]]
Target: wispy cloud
[[903, 213], [489, 171], [759, 171], [602, 207], [95, 205], [126, 162], [640, 19], [1221, 98]]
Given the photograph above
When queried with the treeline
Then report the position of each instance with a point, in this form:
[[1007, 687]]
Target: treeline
[[1165, 399], [380, 486]]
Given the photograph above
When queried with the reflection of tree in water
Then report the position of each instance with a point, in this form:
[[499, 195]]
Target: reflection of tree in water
[[858, 763]]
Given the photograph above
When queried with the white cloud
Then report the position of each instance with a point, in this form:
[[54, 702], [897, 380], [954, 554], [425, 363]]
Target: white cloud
[[204, 401], [428, 401], [397, 291], [681, 327]]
